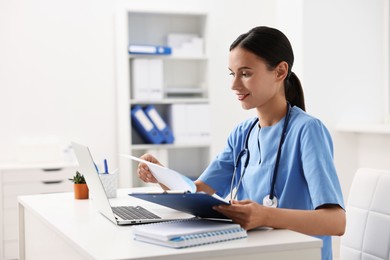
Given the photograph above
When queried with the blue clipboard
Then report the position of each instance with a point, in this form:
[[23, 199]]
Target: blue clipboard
[[197, 204]]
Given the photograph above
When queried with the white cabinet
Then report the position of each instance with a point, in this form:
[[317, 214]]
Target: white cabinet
[[180, 81], [25, 179]]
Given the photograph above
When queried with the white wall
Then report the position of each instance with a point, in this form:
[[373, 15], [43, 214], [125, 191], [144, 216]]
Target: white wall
[[56, 74], [344, 44], [345, 52]]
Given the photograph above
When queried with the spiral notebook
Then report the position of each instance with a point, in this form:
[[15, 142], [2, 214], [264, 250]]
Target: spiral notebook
[[188, 233]]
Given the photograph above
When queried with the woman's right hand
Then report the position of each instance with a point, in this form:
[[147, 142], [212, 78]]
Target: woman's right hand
[[143, 170]]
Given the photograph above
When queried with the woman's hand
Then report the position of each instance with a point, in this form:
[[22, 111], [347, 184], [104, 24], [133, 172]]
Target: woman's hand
[[247, 213], [327, 220], [143, 170]]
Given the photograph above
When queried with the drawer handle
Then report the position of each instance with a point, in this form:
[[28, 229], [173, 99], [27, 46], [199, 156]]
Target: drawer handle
[[52, 182], [52, 169]]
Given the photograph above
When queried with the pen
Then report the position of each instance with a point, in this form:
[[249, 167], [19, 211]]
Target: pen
[[97, 169], [105, 166]]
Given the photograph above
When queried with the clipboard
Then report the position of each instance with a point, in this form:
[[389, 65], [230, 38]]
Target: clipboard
[[198, 204], [182, 195]]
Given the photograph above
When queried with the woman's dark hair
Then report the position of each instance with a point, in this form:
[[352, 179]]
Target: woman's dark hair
[[273, 47]]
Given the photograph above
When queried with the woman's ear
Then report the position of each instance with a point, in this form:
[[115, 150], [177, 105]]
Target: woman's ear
[[281, 70]]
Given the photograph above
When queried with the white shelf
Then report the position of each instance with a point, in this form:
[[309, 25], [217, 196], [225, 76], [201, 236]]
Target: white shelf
[[168, 57], [370, 128], [185, 81], [168, 146], [184, 91], [168, 101]]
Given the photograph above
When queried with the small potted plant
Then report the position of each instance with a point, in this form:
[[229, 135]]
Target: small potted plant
[[80, 186]]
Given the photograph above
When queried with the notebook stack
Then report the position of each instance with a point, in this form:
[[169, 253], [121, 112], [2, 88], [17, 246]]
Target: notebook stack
[[188, 233]]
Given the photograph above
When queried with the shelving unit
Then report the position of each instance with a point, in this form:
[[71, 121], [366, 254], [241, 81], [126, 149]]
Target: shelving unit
[[185, 82]]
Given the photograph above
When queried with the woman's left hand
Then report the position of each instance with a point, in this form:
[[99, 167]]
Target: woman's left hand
[[328, 220], [247, 213]]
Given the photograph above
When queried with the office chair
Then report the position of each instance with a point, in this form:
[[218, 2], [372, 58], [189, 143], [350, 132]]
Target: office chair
[[367, 235]]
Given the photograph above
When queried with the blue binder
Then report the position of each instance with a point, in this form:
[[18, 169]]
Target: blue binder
[[150, 49], [160, 124], [145, 127], [198, 204]]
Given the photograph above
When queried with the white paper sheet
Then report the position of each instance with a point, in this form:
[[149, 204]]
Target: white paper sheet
[[170, 178]]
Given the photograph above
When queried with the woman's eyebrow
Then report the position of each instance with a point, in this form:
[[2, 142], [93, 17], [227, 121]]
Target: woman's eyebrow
[[245, 68], [242, 68]]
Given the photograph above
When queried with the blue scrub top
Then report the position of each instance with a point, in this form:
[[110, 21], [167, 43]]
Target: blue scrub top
[[306, 177]]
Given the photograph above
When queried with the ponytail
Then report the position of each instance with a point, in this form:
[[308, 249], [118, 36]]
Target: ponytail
[[294, 92]]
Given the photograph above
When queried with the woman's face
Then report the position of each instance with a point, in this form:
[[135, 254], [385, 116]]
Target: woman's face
[[253, 81]]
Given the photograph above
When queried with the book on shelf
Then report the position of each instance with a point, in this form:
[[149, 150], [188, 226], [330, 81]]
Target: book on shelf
[[159, 123], [182, 194], [145, 127], [147, 79], [149, 49], [188, 233], [190, 123]]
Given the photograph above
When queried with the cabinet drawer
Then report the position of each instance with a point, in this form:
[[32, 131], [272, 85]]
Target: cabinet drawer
[[10, 217], [47, 175], [12, 190], [10, 202], [11, 232], [11, 249]]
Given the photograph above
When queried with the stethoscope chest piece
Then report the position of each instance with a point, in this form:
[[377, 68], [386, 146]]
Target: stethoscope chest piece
[[268, 202]]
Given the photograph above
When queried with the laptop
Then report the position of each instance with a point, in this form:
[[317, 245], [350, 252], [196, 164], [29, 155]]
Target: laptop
[[120, 215]]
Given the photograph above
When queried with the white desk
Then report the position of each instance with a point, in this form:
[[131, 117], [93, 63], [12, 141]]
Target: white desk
[[55, 226]]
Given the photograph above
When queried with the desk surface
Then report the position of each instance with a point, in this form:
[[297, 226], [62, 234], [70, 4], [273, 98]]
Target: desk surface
[[91, 235]]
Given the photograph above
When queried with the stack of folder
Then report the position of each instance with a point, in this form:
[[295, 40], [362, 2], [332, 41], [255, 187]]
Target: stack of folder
[[150, 125], [190, 123], [147, 77]]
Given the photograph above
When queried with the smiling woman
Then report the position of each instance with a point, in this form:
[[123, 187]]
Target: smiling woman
[[279, 164]]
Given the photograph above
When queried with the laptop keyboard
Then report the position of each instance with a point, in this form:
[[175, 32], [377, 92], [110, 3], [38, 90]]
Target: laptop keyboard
[[131, 212]]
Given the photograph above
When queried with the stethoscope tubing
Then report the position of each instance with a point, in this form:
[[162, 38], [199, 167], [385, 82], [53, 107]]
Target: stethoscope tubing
[[246, 151], [277, 161]]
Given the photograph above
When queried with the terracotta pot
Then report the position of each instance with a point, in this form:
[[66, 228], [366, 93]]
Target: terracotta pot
[[81, 191]]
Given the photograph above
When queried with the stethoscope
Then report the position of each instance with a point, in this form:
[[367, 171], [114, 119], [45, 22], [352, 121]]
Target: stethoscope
[[269, 200]]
